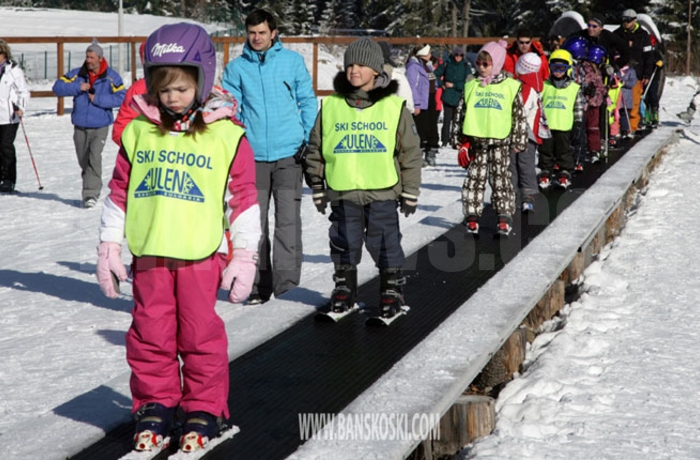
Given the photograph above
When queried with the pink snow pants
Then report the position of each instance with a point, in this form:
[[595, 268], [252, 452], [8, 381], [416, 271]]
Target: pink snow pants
[[174, 317]]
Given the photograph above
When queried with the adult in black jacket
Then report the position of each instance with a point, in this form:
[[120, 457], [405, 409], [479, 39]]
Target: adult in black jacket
[[641, 59], [618, 49]]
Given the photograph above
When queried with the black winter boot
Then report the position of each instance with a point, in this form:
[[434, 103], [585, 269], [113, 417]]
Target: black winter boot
[[391, 282], [345, 292]]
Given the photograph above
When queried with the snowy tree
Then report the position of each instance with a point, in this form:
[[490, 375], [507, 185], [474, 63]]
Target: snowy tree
[[330, 17], [306, 16]]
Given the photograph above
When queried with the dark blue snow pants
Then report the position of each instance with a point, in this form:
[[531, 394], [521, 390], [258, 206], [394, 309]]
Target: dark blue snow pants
[[375, 224]]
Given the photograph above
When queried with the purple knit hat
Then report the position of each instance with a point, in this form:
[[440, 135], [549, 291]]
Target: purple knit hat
[[497, 51]]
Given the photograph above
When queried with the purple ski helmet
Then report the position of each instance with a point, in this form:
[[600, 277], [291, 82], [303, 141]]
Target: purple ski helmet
[[577, 46], [597, 54], [183, 44]]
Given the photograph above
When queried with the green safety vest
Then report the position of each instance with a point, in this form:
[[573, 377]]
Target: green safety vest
[[558, 105], [176, 189], [359, 144], [489, 109]]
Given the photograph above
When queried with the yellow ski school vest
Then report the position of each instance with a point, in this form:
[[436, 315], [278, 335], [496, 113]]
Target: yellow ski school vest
[[558, 105], [489, 109], [359, 144], [176, 188]]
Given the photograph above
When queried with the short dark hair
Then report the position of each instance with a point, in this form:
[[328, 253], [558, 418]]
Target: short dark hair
[[260, 16]]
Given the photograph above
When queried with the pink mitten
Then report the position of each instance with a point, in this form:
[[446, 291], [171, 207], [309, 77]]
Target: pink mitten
[[110, 268], [239, 275]]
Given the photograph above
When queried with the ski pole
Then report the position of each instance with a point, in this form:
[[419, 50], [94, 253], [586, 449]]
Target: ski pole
[[646, 90], [21, 122]]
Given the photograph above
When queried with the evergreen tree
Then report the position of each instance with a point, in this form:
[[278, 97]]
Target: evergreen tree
[[306, 17], [330, 17]]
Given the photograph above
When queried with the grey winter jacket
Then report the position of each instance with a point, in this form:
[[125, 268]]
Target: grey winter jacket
[[407, 157]]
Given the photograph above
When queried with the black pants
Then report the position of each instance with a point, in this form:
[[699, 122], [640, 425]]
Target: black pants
[[8, 156], [448, 115], [557, 150], [426, 124]]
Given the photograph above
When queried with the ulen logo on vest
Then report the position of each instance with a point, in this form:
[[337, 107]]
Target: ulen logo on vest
[[359, 143], [488, 103], [171, 183], [554, 104]]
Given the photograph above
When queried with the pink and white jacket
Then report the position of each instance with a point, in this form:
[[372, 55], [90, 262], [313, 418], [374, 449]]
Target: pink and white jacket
[[241, 198]]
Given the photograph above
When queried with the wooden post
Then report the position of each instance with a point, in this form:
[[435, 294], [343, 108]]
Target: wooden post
[[545, 309], [60, 107], [132, 49], [314, 76], [503, 364], [471, 417]]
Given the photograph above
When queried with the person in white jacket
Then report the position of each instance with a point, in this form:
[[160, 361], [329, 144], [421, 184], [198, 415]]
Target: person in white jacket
[[398, 74], [14, 96]]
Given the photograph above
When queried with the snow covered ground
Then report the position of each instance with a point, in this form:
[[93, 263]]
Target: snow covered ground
[[616, 382]]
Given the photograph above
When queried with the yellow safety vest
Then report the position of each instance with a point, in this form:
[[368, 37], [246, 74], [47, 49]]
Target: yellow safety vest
[[489, 109], [359, 144], [176, 189], [558, 105], [614, 94]]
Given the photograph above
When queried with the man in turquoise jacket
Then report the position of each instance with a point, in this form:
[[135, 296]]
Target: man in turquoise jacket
[[278, 107]]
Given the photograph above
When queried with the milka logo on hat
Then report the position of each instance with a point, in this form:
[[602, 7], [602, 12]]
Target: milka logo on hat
[[159, 50]]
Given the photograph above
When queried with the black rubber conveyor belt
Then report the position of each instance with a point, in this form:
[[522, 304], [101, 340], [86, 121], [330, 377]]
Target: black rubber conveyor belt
[[317, 367]]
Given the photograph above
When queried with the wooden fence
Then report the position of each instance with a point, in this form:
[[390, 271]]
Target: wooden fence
[[224, 45]]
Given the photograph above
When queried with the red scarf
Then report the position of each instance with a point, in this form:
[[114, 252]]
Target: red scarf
[[93, 76]]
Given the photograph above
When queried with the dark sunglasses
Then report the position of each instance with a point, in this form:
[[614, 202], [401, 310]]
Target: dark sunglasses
[[593, 26], [558, 67], [523, 42], [628, 19], [483, 64]]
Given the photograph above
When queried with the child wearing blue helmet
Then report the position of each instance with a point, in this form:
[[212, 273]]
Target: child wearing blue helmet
[[595, 93]]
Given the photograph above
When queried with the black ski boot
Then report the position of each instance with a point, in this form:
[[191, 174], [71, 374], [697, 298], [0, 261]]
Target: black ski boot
[[391, 282], [345, 292], [153, 424]]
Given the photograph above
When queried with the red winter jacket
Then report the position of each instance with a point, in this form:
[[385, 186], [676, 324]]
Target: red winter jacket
[[512, 55], [126, 111]]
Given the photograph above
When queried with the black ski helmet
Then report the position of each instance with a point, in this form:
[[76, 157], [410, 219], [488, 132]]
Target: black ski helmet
[[183, 44]]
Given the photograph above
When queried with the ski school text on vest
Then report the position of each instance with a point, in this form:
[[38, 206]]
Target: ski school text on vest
[[177, 158]]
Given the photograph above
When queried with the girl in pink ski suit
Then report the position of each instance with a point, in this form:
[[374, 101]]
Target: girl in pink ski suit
[[183, 175]]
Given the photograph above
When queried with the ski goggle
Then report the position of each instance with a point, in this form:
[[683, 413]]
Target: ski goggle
[[559, 67]]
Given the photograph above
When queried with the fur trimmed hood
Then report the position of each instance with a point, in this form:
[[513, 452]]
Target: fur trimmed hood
[[384, 86]]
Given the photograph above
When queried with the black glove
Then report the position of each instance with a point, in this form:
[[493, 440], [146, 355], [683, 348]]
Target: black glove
[[589, 90], [409, 203], [320, 199], [300, 155]]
